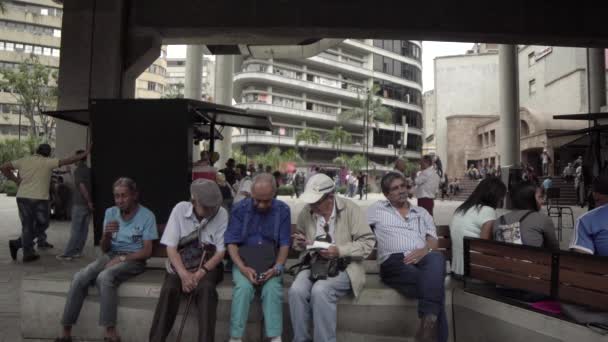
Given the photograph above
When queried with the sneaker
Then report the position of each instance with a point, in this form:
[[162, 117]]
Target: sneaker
[[13, 245], [30, 258], [64, 257], [77, 256], [44, 244]]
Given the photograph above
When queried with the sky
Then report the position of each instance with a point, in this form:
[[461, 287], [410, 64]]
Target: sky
[[430, 50]]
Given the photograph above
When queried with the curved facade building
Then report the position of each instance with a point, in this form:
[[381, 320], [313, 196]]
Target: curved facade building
[[311, 93]]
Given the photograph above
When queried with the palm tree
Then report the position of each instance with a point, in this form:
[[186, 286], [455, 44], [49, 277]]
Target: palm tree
[[372, 112], [309, 137], [3, 6], [291, 155], [354, 163], [338, 137]]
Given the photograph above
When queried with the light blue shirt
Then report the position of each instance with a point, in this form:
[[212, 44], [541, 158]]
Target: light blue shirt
[[131, 234], [591, 232], [396, 234], [547, 183]]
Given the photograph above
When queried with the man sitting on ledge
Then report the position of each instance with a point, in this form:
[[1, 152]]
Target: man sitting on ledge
[[406, 238], [194, 228], [129, 229]]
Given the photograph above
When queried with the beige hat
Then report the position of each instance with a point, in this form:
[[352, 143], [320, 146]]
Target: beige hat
[[316, 187], [206, 193]]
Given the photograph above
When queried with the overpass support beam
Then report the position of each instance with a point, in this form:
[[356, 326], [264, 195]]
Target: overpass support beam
[[597, 80], [193, 80], [224, 71], [508, 94]]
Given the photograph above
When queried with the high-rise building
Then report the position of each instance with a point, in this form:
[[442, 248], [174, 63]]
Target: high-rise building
[[34, 27], [176, 77], [311, 93]]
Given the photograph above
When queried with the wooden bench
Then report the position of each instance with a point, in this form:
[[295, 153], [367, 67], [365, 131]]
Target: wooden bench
[[445, 241], [515, 266], [583, 279]]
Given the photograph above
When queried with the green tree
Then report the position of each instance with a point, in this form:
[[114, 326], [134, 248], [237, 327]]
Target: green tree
[[355, 163], [338, 136], [33, 85], [309, 137], [291, 155], [12, 149], [174, 91], [238, 156]]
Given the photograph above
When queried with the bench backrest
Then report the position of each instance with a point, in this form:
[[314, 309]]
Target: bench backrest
[[516, 266], [583, 279], [444, 241], [159, 250]]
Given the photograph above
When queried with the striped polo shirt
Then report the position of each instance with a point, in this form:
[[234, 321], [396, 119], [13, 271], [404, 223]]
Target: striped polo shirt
[[398, 234]]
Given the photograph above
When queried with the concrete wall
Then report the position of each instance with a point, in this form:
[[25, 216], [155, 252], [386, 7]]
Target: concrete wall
[[463, 146], [463, 85]]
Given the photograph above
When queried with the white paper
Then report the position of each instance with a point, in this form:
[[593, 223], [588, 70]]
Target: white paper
[[319, 245]]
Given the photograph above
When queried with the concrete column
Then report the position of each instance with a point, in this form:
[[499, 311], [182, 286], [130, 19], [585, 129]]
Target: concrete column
[[509, 105], [597, 80], [224, 71], [193, 82]]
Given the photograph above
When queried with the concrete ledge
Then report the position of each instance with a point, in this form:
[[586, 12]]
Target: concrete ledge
[[482, 319], [379, 314]]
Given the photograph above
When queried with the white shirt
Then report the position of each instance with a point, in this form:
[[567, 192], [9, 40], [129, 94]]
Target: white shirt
[[398, 234], [427, 183], [183, 221], [320, 219], [467, 224]]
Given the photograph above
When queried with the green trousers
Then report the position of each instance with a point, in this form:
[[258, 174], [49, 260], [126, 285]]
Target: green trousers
[[272, 305]]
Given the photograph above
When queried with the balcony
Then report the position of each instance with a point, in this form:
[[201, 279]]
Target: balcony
[[370, 48], [286, 141]]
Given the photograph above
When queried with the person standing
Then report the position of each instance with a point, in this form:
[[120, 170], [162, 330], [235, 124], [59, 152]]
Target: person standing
[[230, 172], [81, 211], [298, 184], [427, 184], [545, 161], [203, 168], [33, 197], [361, 184]]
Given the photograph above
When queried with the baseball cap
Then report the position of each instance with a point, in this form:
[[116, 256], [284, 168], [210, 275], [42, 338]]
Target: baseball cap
[[316, 187], [206, 193]]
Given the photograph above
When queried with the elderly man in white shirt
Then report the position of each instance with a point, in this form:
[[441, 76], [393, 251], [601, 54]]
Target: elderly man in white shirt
[[199, 225], [427, 184]]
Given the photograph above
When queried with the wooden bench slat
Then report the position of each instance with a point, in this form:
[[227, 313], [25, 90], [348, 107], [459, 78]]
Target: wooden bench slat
[[443, 231], [581, 296], [511, 280], [584, 280], [444, 243], [492, 248], [583, 263], [513, 266]]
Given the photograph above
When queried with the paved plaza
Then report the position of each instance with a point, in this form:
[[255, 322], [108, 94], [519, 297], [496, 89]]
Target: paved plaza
[[13, 272]]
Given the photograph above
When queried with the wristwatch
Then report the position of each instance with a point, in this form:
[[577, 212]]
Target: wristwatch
[[122, 258], [430, 249], [279, 268]]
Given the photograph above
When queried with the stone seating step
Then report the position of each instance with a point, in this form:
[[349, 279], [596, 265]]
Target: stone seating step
[[379, 314]]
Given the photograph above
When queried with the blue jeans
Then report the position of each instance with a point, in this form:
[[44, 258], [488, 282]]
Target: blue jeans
[[424, 281], [106, 281], [34, 215], [317, 302], [80, 229]]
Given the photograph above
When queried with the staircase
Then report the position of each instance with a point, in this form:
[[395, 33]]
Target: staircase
[[567, 192]]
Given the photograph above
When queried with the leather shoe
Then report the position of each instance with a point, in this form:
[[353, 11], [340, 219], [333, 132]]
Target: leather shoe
[[30, 258], [13, 245], [45, 244], [427, 332]]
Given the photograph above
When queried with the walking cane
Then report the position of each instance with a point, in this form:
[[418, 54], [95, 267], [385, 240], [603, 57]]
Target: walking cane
[[181, 326]]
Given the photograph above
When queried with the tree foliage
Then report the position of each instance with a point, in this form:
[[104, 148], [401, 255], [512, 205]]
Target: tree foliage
[[174, 91], [338, 136], [34, 86], [355, 163], [277, 159], [309, 137], [12, 149], [371, 107]]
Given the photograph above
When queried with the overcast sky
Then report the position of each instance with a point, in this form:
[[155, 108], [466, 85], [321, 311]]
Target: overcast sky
[[430, 50]]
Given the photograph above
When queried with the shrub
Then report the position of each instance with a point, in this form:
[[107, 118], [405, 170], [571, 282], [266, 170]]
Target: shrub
[[10, 188], [342, 189], [286, 190]]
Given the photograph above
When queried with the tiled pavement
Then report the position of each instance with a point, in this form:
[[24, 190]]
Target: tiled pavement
[[12, 272]]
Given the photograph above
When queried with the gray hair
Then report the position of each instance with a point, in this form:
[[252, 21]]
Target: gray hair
[[388, 179], [264, 178], [127, 183]]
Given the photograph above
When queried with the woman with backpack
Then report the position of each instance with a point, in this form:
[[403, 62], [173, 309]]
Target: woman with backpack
[[526, 224], [475, 218]]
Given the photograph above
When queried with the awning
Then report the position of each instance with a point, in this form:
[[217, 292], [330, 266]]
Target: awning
[[598, 128], [585, 116], [77, 116]]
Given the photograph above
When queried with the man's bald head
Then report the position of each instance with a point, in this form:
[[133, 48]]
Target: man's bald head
[[263, 189]]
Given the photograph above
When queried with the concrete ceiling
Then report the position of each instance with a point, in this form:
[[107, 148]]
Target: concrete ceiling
[[290, 22]]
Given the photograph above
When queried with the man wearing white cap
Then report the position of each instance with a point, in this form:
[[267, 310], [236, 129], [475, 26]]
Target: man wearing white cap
[[198, 224], [342, 223]]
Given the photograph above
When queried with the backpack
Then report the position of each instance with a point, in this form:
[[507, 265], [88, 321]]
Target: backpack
[[510, 233]]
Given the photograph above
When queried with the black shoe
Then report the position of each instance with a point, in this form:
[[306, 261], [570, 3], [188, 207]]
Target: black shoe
[[63, 339], [30, 258], [13, 245], [45, 244]]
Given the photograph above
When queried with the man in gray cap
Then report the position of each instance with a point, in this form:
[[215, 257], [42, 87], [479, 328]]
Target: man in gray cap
[[342, 223], [195, 229]]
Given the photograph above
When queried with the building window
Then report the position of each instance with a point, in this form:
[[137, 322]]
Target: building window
[[532, 87], [44, 11], [531, 59], [151, 86], [57, 33]]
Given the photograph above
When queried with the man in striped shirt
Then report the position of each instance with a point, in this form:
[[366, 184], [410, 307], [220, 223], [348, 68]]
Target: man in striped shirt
[[406, 238]]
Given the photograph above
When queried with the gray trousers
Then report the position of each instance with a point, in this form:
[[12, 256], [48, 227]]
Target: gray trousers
[[316, 301], [106, 281], [81, 216]]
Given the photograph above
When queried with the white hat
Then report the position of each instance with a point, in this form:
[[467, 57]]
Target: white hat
[[316, 187]]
